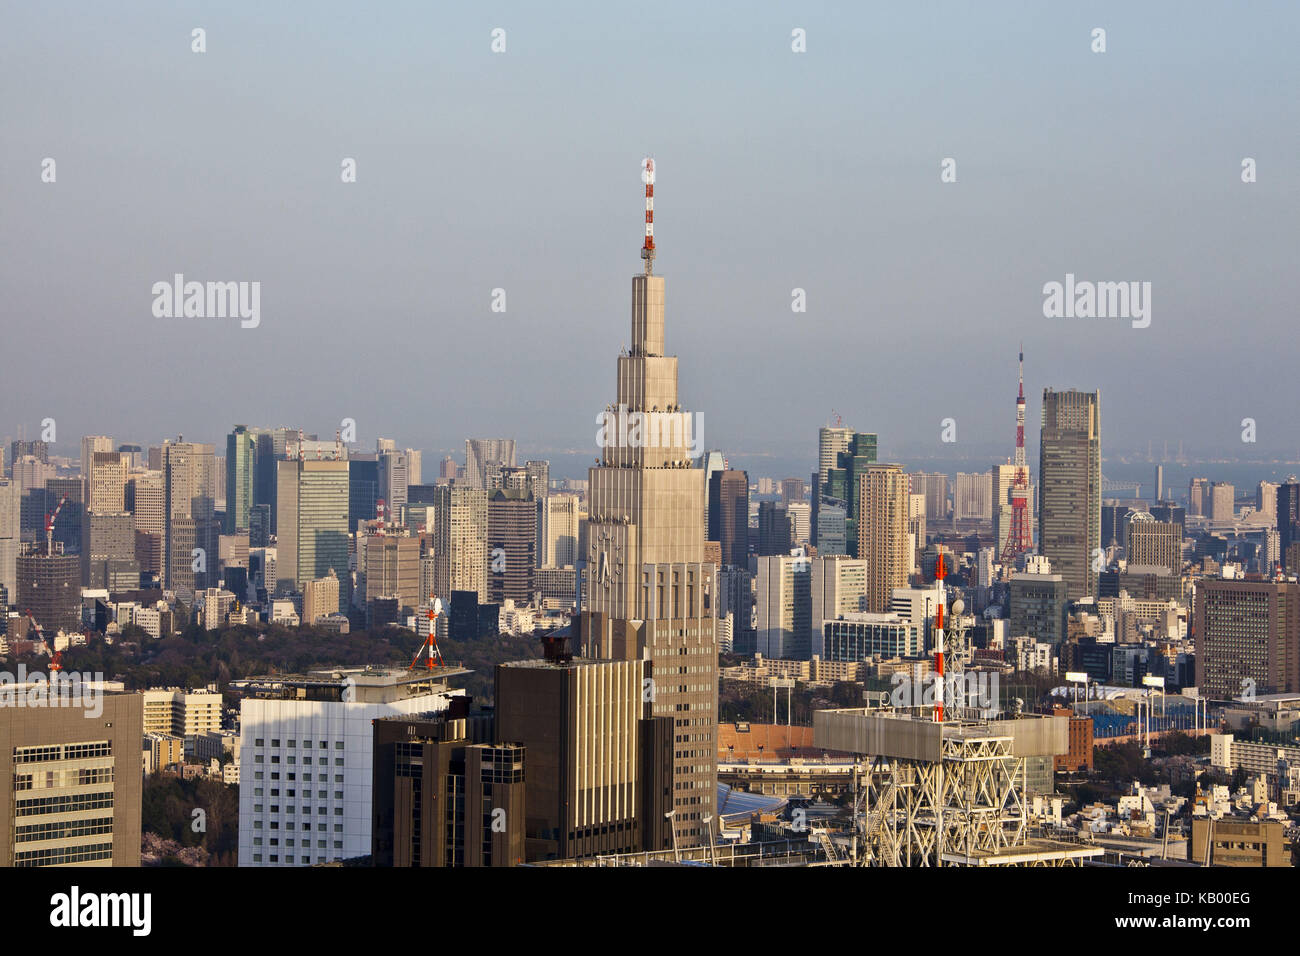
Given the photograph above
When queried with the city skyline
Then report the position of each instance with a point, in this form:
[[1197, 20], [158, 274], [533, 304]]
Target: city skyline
[[756, 210]]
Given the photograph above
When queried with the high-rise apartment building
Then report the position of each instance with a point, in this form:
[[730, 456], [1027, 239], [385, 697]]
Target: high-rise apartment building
[[1069, 470], [460, 541], [882, 532]]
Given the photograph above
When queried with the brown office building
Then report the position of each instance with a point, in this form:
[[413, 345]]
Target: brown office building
[[1247, 637], [599, 774], [729, 515], [441, 798], [70, 783]]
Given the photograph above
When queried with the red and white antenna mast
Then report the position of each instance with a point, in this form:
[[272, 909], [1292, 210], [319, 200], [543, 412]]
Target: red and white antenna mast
[[1018, 538], [429, 650], [648, 177], [939, 601]]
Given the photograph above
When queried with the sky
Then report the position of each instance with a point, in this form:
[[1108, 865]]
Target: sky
[[777, 171]]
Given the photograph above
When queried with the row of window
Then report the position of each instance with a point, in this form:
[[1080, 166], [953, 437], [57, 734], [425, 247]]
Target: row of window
[[55, 856], [275, 824], [306, 744], [275, 775], [73, 803], [320, 827], [291, 759], [63, 829], [275, 857], [100, 748]]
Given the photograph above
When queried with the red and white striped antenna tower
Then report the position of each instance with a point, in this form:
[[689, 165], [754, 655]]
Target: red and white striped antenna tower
[[940, 600], [429, 649], [648, 177], [380, 507], [1018, 537]]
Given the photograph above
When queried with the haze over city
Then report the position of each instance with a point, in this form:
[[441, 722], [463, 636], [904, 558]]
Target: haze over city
[[819, 172]]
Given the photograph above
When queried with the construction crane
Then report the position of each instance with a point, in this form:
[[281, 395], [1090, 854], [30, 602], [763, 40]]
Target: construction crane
[[49, 526]]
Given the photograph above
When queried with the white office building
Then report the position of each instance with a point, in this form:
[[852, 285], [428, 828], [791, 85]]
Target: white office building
[[306, 754]]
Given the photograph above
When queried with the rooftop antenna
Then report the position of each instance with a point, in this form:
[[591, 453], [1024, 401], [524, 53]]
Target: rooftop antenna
[[648, 177], [429, 650]]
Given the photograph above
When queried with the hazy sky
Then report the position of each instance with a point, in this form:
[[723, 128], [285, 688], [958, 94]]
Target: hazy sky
[[777, 170]]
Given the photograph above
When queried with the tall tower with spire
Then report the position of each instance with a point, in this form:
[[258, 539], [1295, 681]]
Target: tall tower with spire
[[1019, 540], [649, 592]]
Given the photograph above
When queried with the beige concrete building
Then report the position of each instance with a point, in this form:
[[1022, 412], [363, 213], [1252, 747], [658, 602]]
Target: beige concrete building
[[181, 713], [882, 533], [557, 535], [650, 593], [320, 598], [106, 483], [460, 541]]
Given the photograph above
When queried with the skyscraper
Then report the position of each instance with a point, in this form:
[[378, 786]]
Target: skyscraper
[[394, 479], [645, 558], [483, 456], [557, 533], [844, 481], [241, 448], [882, 533], [1247, 638], [1288, 517], [783, 618], [460, 541], [312, 498], [1069, 470], [190, 497], [512, 547], [729, 515]]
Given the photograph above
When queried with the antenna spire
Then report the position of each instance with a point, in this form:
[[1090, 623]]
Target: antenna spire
[[648, 177]]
